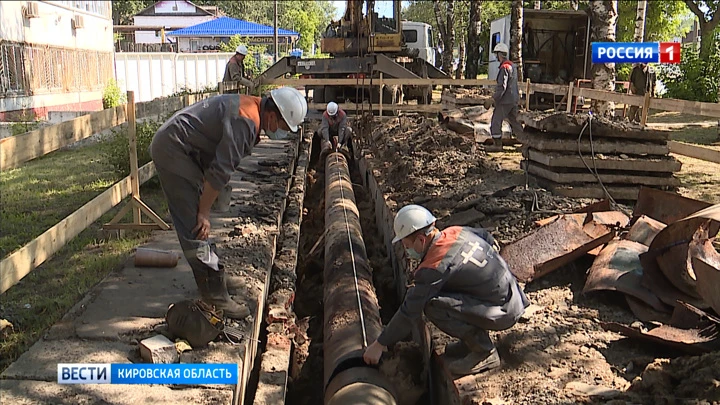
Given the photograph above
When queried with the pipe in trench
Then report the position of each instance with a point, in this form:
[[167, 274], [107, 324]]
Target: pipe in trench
[[348, 380]]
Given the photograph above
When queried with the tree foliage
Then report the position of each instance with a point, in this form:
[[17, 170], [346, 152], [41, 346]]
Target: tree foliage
[[662, 20], [694, 78], [123, 10], [708, 14]]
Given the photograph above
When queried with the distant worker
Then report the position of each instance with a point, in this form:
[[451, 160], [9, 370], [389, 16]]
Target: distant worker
[[195, 153], [462, 285], [334, 129], [235, 68], [642, 81], [506, 99]]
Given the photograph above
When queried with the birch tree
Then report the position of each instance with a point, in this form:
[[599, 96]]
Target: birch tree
[[446, 27], [516, 24], [472, 65], [604, 15], [640, 21]]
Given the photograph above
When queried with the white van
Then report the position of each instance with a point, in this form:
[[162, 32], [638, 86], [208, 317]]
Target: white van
[[420, 36]]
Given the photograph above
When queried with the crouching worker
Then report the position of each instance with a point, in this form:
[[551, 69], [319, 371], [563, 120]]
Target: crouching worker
[[334, 129], [195, 153], [462, 285]]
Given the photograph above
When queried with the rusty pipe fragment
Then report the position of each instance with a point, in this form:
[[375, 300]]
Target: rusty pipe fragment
[[350, 323]]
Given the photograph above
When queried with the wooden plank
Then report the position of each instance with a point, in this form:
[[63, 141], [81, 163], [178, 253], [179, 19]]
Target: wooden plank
[[132, 144], [351, 107], [686, 107], [20, 263], [629, 193], [19, 149], [556, 89], [573, 124], [607, 162], [607, 178], [375, 82], [546, 143], [694, 151], [621, 98], [134, 227]]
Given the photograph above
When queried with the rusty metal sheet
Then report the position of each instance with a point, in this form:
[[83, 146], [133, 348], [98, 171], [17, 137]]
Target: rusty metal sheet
[[672, 248], [705, 261], [665, 207], [691, 341], [618, 268], [606, 218], [644, 230], [646, 313], [654, 279], [603, 205], [554, 245]]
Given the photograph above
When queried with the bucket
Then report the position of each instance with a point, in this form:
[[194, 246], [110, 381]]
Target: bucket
[[145, 257]]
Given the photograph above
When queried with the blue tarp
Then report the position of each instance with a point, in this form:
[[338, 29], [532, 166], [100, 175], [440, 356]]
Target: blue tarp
[[228, 27]]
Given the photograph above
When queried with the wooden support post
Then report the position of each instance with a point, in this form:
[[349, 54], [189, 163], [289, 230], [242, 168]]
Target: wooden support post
[[132, 137], [527, 94], [569, 97], [136, 204], [646, 107], [381, 94]]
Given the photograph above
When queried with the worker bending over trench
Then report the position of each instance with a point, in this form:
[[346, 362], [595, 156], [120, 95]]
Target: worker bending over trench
[[462, 285], [334, 131]]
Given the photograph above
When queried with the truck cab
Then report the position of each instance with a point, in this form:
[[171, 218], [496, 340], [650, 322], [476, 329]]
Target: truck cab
[[420, 36]]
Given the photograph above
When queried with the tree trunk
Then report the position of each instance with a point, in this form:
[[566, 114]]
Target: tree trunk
[[604, 15], [575, 4], [516, 24], [446, 26], [537, 4], [460, 72], [472, 63], [707, 29], [640, 21]]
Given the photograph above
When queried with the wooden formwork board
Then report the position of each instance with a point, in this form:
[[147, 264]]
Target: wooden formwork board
[[664, 164], [585, 176]]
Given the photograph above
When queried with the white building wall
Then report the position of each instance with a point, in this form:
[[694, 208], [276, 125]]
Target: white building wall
[[54, 26], [149, 37], [159, 74], [41, 44]]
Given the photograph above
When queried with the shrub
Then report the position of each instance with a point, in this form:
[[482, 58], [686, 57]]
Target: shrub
[[693, 79], [116, 151], [113, 95]]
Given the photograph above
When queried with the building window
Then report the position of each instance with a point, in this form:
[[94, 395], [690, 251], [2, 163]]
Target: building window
[[103, 8], [47, 69]]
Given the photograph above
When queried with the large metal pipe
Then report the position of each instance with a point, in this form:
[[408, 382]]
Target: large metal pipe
[[352, 314]]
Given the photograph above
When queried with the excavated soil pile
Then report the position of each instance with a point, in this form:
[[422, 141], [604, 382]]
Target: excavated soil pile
[[681, 380], [421, 162]]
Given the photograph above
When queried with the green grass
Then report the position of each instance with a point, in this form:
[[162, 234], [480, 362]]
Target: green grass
[[34, 198], [697, 135]]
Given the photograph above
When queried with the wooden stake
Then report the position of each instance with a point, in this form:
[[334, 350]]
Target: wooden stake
[[569, 97], [381, 94], [527, 94], [646, 107]]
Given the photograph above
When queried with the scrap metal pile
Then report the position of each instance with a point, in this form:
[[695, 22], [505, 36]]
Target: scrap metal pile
[[568, 152], [662, 260]]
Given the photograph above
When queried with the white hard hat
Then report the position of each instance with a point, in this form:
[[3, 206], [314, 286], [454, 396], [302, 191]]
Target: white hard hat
[[292, 105], [410, 219], [501, 48], [332, 108], [241, 49]]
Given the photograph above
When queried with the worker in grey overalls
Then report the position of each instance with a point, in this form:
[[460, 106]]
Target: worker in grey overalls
[[506, 99], [462, 285], [195, 153]]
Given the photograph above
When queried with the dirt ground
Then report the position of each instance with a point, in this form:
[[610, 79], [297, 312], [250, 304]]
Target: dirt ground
[[559, 349]]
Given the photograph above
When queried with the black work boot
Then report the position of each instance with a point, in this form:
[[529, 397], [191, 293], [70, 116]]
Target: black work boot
[[497, 146], [475, 362], [456, 349]]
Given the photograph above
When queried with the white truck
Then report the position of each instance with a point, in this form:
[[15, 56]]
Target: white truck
[[556, 45]]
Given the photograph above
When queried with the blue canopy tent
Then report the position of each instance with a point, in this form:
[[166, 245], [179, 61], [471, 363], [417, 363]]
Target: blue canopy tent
[[223, 28]]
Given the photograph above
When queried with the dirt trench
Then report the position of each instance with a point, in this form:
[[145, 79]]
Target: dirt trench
[[403, 363]]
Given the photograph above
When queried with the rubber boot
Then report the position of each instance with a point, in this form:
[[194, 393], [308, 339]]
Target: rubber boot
[[213, 290], [456, 349], [497, 146]]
